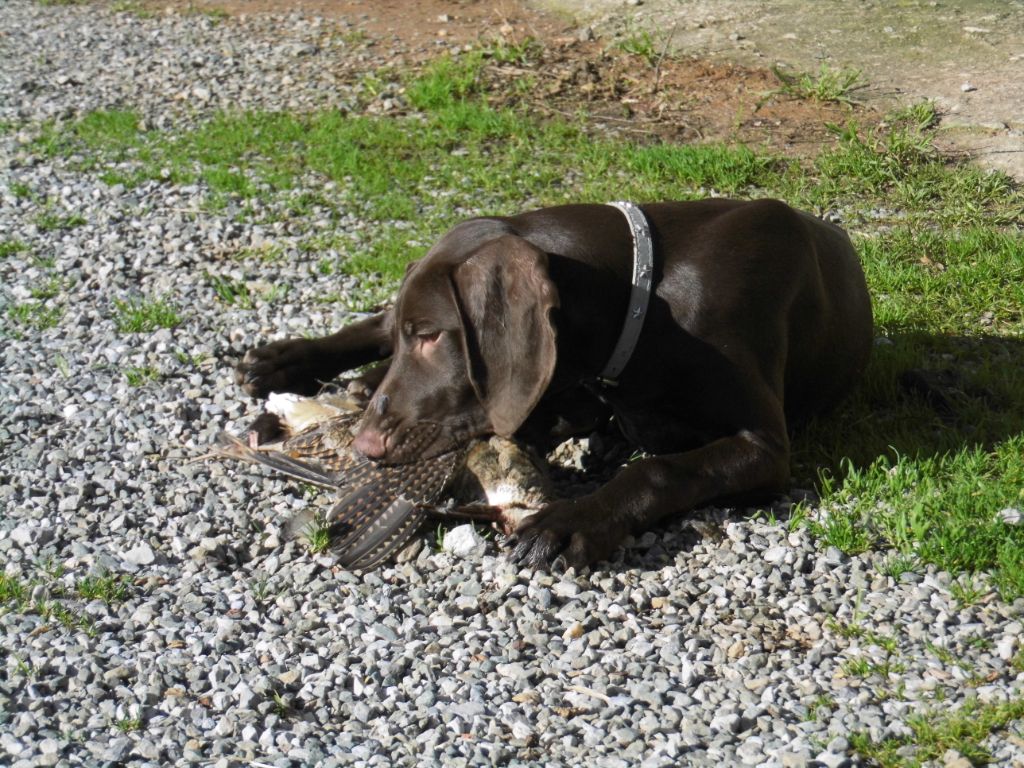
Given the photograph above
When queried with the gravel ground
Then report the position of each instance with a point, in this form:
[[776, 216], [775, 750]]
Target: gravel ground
[[726, 640]]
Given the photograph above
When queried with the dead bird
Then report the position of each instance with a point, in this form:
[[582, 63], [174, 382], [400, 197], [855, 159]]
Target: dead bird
[[381, 506]]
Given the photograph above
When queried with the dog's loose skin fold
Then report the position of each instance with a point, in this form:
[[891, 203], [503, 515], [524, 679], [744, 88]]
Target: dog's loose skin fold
[[760, 318]]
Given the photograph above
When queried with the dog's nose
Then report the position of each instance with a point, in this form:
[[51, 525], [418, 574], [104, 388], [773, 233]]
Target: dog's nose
[[370, 443]]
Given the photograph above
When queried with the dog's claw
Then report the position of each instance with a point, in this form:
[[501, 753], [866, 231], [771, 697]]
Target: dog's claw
[[565, 535]]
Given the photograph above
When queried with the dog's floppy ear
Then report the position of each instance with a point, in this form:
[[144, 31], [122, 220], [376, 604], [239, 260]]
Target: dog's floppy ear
[[505, 299]]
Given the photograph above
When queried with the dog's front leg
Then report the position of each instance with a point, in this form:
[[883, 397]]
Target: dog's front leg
[[589, 528], [304, 365]]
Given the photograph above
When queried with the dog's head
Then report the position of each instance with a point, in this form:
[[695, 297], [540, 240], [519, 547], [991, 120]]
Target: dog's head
[[473, 350]]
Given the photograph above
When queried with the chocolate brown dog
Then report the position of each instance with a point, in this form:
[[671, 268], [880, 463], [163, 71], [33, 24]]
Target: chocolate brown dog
[[759, 318]]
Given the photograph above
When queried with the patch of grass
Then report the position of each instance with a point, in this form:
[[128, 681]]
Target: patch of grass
[[260, 589], [21, 190], [272, 294], [415, 176], [11, 247], [267, 252], [23, 667], [133, 7], [16, 595], [864, 668], [446, 81], [128, 724], [318, 535], [640, 43], [902, 167], [944, 655], [137, 376], [936, 732], [230, 291], [39, 316], [106, 587], [918, 277], [828, 85], [102, 129], [144, 315], [1017, 662], [920, 116], [518, 52], [940, 510], [58, 612], [897, 564], [726, 169], [967, 591], [841, 529], [856, 630], [191, 360], [814, 711], [282, 707], [211, 12], [354, 37], [980, 642], [51, 221], [47, 289], [12, 589]]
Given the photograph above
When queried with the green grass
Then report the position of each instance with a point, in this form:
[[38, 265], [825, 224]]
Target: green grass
[[133, 7], [318, 535], [12, 590], [39, 316], [936, 732], [919, 471], [129, 724], [50, 221], [967, 591], [48, 289], [137, 376], [11, 247], [827, 85], [821, 702], [229, 291], [641, 43], [21, 190], [940, 510], [62, 604], [108, 588], [145, 315], [865, 668]]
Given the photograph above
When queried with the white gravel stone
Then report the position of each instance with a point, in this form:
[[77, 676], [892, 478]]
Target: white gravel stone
[[464, 541], [140, 555]]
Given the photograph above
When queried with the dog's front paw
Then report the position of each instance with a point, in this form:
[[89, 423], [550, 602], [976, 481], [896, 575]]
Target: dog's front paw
[[572, 533], [282, 366]]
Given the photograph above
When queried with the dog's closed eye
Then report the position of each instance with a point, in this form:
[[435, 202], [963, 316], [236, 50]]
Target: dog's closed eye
[[426, 342]]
